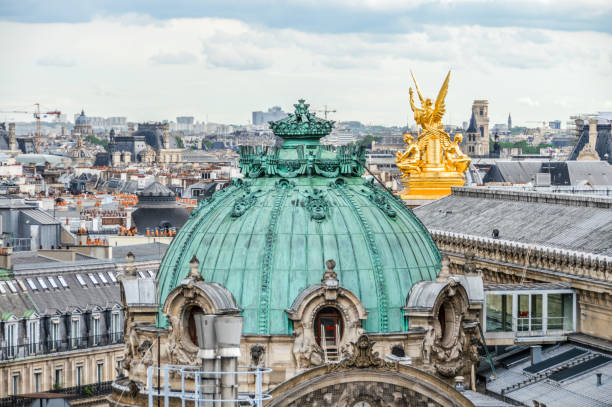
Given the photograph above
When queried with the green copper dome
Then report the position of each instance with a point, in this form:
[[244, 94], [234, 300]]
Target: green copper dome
[[267, 236]]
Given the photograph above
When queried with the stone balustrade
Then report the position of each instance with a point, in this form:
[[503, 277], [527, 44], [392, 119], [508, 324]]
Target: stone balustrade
[[570, 262]]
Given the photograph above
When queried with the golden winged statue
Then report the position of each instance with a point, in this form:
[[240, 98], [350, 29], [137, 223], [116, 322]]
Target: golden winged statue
[[429, 116], [433, 163]]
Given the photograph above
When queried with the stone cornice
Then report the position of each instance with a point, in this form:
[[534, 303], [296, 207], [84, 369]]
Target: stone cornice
[[586, 265]]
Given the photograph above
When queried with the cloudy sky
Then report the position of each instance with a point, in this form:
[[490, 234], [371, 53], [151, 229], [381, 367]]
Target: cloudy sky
[[154, 60]]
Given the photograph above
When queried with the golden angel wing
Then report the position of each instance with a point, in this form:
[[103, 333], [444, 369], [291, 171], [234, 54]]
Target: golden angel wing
[[416, 85], [440, 108]]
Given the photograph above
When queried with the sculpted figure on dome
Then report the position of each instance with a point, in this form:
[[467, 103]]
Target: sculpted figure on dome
[[429, 116], [433, 163], [455, 159], [410, 159]]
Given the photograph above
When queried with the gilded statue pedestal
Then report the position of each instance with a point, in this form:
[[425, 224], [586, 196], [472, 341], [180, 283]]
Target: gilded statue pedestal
[[431, 185], [433, 164]]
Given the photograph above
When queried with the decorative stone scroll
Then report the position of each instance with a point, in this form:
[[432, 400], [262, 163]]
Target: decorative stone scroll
[[243, 203], [256, 162], [380, 199], [363, 357]]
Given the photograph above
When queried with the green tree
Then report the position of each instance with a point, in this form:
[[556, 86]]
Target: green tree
[[179, 142], [94, 140]]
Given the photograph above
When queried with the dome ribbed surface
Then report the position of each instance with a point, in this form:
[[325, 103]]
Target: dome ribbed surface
[[274, 249]]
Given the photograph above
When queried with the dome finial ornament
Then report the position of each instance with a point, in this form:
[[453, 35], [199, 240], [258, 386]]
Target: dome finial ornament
[[330, 278], [301, 127]]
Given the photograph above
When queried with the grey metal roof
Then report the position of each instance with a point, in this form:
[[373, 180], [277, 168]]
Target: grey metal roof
[[301, 296], [526, 286], [160, 216], [557, 221], [48, 301], [482, 400], [589, 172], [40, 217], [472, 128], [221, 297], [578, 391], [156, 189], [516, 172], [140, 251], [423, 294]]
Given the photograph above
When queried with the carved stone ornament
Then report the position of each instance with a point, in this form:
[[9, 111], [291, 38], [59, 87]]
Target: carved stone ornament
[[317, 205], [243, 203], [380, 198], [305, 350], [447, 351], [257, 355], [363, 357]]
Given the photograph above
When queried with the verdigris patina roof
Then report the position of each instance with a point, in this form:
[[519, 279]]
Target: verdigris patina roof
[[266, 237]]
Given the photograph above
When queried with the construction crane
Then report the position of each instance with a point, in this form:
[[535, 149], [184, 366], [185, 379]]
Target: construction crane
[[37, 115], [325, 110]]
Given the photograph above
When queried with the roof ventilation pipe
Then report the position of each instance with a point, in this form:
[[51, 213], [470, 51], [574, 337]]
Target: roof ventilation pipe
[[207, 342], [536, 354], [228, 331], [598, 378]]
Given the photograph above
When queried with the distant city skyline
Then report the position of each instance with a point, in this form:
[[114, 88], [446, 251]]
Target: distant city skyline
[[539, 61]]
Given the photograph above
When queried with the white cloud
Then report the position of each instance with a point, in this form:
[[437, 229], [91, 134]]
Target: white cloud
[[60, 61], [173, 58], [240, 67], [528, 101]]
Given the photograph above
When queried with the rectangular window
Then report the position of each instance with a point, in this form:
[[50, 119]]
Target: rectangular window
[[536, 312], [12, 286], [2, 288], [31, 284], [22, 286], [33, 336], [93, 279], [62, 281], [151, 273], [102, 278], [11, 339], [115, 330], [42, 283], [79, 375], [52, 282], [560, 312], [81, 280], [499, 313], [75, 332], [118, 368], [96, 329], [55, 337], [112, 277], [100, 372], [58, 379], [141, 274], [522, 321], [15, 384], [36, 382]]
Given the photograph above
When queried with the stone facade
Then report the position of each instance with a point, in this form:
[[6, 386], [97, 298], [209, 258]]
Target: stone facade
[[500, 261]]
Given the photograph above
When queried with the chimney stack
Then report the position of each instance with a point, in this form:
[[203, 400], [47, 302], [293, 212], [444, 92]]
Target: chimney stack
[[5, 257]]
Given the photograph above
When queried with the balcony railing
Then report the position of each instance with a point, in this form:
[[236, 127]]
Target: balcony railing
[[72, 393], [61, 345]]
